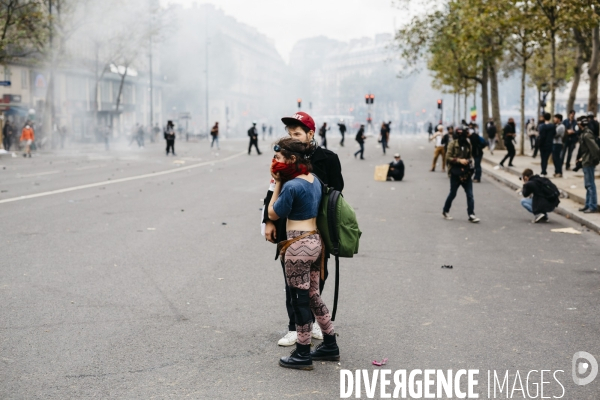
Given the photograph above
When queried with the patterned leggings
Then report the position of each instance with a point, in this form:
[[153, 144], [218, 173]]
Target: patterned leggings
[[302, 271]]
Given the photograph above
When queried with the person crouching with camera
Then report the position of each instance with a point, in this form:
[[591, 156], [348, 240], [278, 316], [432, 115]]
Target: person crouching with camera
[[460, 171], [541, 195], [297, 196]]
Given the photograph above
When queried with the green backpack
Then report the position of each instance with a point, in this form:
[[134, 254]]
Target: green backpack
[[339, 230]]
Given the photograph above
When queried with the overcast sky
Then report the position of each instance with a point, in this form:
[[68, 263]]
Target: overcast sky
[[286, 21]]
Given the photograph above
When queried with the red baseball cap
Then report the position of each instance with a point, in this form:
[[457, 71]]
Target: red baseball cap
[[302, 118]]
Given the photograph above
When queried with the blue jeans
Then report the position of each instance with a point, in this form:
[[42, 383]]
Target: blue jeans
[[477, 175], [361, 151], [215, 139], [557, 157], [527, 203], [455, 183], [545, 155], [591, 196]]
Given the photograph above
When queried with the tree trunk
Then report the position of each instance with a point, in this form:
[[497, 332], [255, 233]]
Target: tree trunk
[[523, 77], [576, 78], [593, 71], [553, 78], [121, 90], [454, 110], [458, 109], [485, 111], [465, 110], [496, 102]]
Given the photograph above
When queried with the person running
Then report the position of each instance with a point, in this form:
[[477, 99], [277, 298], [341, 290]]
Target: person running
[[214, 132], [343, 129], [360, 138], [253, 135], [326, 166], [460, 171], [297, 196], [170, 137], [27, 137], [439, 148], [509, 135]]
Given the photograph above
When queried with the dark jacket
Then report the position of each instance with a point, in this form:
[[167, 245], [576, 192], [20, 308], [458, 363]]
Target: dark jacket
[[572, 125], [398, 172], [546, 139], [253, 133], [541, 203], [457, 149], [594, 127], [588, 152], [359, 135], [342, 127], [476, 146], [491, 130], [509, 133], [326, 166]]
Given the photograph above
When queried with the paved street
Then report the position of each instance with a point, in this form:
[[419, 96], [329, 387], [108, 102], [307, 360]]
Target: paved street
[[150, 284]]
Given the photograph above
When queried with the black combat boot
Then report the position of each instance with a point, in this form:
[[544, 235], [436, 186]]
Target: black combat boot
[[298, 359], [326, 351]]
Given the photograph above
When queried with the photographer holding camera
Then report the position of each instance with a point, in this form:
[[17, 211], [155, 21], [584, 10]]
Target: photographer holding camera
[[460, 170], [541, 195], [588, 157]]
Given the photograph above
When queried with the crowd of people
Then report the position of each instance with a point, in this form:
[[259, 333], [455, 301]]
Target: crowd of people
[[461, 151]]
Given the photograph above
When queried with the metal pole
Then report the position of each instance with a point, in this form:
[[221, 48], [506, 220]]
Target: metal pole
[[151, 80], [206, 59]]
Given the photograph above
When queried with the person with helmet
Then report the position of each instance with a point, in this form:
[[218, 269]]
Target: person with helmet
[[460, 169], [253, 135]]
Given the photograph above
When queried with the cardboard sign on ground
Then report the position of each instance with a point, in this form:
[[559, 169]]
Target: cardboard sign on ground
[[381, 172]]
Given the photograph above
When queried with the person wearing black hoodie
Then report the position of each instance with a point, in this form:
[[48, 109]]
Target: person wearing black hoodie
[[477, 153], [546, 141], [509, 133], [540, 195]]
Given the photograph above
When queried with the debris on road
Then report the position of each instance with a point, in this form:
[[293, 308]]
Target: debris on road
[[447, 266], [151, 229], [379, 364], [567, 230]]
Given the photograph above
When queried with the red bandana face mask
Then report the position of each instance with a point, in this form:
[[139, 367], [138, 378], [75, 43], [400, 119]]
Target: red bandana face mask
[[288, 171]]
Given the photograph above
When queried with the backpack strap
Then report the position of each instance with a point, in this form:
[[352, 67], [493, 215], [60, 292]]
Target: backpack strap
[[337, 286]]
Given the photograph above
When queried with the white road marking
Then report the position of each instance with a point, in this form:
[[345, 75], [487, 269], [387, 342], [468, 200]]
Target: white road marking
[[37, 174], [131, 178]]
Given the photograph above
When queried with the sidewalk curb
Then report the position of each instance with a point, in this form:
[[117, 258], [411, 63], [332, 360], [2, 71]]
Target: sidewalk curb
[[559, 210], [572, 195]]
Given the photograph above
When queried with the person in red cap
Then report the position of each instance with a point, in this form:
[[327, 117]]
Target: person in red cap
[[326, 166]]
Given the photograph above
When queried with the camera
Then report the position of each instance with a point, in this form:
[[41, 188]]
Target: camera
[[578, 166]]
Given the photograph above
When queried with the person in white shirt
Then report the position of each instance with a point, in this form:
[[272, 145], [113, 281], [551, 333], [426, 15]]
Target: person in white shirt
[[439, 149]]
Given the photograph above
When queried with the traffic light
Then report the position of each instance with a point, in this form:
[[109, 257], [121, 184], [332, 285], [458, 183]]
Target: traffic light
[[366, 99], [439, 104], [369, 98], [299, 103], [372, 98]]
